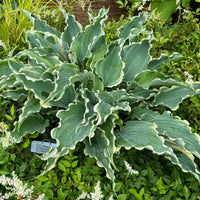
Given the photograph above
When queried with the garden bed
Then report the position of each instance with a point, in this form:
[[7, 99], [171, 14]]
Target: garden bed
[[115, 131]]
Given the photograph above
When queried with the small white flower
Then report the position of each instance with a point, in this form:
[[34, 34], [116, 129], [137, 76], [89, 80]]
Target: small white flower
[[82, 196], [41, 197], [16, 187], [57, 19], [6, 139], [93, 196], [189, 77], [97, 192], [53, 13], [3, 45], [129, 168], [185, 11], [137, 4], [111, 197], [140, 7], [117, 152], [11, 52]]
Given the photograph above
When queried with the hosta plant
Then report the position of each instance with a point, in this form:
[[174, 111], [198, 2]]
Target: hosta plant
[[107, 96]]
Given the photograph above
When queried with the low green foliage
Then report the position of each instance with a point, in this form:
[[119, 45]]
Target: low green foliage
[[165, 9], [182, 37], [157, 177], [13, 23], [99, 92]]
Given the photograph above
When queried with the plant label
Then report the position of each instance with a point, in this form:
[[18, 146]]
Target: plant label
[[41, 147]]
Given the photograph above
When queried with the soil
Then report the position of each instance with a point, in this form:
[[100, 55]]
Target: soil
[[114, 11]]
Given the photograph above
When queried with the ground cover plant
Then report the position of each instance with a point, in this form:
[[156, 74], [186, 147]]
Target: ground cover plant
[[74, 173], [156, 192], [182, 37]]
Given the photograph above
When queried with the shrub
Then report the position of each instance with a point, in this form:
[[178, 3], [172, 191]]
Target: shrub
[[182, 37], [105, 95]]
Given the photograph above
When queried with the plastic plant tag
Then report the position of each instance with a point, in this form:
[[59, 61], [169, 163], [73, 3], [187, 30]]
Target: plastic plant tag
[[41, 147]]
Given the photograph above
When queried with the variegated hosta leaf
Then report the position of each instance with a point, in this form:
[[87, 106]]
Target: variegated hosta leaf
[[82, 77], [96, 56], [133, 135], [149, 79], [72, 129], [41, 88], [37, 72], [110, 69], [140, 110], [107, 106], [38, 39], [8, 78], [175, 128], [178, 136], [90, 100], [15, 94], [68, 96], [98, 149], [99, 43], [98, 84], [41, 25], [29, 120], [72, 28], [64, 72], [173, 96], [43, 57], [5, 71], [155, 64], [141, 93], [31, 106], [8, 82], [140, 135], [14, 65], [29, 125], [124, 96], [65, 134], [133, 27], [104, 107], [136, 58], [83, 43], [185, 159], [108, 133]]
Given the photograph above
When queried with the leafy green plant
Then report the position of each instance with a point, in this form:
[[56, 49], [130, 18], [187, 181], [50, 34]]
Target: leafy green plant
[[165, 9], [182, 37], [172, 5], [16, 188], [103, 95], [13, 23], [157, 179]]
